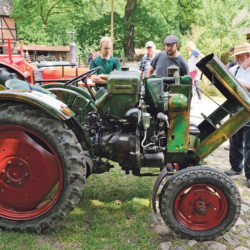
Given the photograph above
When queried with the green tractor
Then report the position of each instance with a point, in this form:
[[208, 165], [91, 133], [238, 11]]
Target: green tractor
[[53, 138]]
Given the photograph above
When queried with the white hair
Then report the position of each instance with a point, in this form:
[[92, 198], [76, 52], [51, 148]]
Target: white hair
[[105, 39], [191, 45]]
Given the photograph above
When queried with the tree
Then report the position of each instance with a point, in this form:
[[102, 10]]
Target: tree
[[129, 26], [42, 21], [135, 22], [219, 30]]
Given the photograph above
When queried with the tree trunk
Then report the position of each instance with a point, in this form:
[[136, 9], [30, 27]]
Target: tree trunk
[[128, 42]]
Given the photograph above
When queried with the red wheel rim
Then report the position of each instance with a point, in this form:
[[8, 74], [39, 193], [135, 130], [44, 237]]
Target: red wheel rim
[[31, 176], [200, 207]]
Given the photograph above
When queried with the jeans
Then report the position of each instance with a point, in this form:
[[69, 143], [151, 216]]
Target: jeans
[[196, 86], [240, 150]]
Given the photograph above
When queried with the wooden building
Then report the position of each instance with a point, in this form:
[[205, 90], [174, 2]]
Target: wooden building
[[7, 27], [46, 52]]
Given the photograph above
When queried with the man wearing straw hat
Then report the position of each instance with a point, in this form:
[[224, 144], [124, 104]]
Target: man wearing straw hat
[[239, 154]]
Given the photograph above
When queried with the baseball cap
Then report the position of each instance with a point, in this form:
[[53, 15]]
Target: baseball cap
[[241, 48], [171, 39], [149, 44]]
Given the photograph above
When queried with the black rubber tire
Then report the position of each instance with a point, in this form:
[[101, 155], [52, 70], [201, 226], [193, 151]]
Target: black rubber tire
[[6, 74], [199, 175], [70, 153]]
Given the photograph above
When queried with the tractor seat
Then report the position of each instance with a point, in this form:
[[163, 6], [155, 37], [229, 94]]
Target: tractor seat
[[19, 84]]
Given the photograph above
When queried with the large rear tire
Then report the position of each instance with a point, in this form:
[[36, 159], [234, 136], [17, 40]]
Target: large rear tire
[[42, 169], [200, 203], [6, 74]]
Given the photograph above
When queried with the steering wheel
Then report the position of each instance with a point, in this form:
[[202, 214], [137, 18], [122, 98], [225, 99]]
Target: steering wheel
[[83, 77]]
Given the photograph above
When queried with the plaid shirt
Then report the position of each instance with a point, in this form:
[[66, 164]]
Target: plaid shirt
[[145, 64]]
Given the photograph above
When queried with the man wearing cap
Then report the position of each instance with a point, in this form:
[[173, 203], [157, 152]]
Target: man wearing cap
[[106, 61], [239, 154], [146, 60], [171, 56]]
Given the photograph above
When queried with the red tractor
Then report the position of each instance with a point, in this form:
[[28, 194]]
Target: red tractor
[[16, 66]]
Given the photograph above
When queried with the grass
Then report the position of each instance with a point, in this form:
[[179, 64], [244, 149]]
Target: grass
[[114, 213]]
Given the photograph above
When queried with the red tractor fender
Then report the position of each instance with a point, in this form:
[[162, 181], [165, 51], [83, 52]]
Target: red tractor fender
[[19, 66]]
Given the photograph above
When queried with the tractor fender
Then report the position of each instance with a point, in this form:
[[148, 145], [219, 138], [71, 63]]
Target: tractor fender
[[156, 188], [15, 69], [80, 90], [52, 106], [45, 102], [77, 99]]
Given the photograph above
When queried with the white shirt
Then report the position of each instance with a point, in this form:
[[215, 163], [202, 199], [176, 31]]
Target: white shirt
[[241, 75]]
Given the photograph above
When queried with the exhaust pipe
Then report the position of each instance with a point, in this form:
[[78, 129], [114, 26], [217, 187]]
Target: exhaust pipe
[[72, 50]]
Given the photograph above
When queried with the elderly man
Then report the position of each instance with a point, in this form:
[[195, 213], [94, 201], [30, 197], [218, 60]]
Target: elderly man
[[106, 61], [239, 154], [146, 60], [171, 56]]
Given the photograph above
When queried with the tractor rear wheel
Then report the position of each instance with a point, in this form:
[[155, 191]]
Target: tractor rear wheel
[[42, 170], [6, 74], [200, 203]]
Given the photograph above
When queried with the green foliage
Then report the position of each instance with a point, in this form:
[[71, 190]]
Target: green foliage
[[93, 42], [43, 21], [213, 25], [219, 27]]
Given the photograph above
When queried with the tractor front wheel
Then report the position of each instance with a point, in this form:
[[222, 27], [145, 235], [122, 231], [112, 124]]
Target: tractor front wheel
[[200, 203], [42, 171]]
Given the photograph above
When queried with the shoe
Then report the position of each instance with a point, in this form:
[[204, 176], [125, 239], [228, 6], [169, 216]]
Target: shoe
[[232, 172], [248, 183], [227, 147]]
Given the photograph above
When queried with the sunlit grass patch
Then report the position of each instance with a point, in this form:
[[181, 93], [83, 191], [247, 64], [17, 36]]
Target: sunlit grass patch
[[113, 213]]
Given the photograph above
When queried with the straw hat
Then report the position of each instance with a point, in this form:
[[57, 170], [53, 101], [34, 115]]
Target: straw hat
[[242, 48]]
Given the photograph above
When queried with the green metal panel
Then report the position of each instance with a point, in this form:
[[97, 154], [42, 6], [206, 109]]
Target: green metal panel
[[178, 132], [155, 94], [227, 79], [120, 104], [124, 87], [102, 102], [124, 82], [186, 80], [178, 102], [222, 134], [213, 132], [178, 114]]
